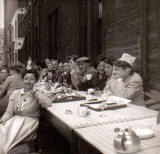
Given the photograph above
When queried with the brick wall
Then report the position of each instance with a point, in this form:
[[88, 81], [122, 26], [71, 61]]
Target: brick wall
[[154, 44], [122, 27], [71, 29], [130, 26], [66, 27]]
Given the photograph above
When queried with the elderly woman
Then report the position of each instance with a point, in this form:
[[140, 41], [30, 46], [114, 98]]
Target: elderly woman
[[125, 83], [21, 119], [12, 83], [4, 72]]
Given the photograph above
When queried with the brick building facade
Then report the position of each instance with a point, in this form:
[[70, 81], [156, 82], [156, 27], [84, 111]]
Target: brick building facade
[[58, 28], [1, 45], [10, 7], [133, 26]]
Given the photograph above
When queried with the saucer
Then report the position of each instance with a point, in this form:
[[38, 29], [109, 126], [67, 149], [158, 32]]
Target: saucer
[[144, 133]]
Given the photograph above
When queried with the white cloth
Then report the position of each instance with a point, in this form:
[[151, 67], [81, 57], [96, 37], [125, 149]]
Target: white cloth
[[15, 130]]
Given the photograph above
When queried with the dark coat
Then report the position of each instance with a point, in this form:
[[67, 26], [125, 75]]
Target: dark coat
[[101, 83]]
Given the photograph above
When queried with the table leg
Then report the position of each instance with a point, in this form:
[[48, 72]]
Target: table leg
[[74, 144]]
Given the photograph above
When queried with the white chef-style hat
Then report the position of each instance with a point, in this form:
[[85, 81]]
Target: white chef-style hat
[[128, 58]]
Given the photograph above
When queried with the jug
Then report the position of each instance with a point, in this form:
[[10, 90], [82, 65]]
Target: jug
[[127, 141]]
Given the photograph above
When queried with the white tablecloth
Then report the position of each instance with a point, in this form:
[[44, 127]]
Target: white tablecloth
[[130, 113], [102, 136]]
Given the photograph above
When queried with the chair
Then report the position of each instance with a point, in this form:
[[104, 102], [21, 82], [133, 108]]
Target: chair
[[25, 148], [152, 99]]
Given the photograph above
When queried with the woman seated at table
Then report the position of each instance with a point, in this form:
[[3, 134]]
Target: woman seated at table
[[4, 72], [104, 72], [101, 76], [12, 83], [21, 119], [125, 82], [66, 75]]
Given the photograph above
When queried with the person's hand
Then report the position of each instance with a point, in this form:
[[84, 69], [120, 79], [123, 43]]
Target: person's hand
[[84, 79], [87, 77], [2, 121]]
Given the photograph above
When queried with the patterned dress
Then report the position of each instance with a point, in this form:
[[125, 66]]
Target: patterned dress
[[22, 118]]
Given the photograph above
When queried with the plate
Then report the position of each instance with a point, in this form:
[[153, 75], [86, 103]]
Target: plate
[[119, 100], [144, 133]]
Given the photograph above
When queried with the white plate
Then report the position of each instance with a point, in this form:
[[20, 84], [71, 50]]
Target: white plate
[[144, 133], [118, 100]]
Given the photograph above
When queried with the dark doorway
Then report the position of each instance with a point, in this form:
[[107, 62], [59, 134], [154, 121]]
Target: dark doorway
[[99, 29], [83, 26], [53, 35], [36, 45]]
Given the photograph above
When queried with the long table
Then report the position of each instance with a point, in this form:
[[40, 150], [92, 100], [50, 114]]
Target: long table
[[72, 126], [101, 137]]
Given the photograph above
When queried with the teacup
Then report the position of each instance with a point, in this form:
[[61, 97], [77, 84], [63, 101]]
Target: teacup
[[82, 111], [90, 91], [89, 76]]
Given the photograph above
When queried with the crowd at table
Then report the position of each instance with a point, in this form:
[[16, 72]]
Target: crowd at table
[[24, 89]]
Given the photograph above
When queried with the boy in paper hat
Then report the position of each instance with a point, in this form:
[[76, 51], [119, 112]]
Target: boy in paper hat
[[125, 82]]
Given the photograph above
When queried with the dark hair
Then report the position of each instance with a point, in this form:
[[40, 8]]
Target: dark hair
[[36, 74], [4, 68], [17, 69], [73, 57], [109, 60], [123, 64]]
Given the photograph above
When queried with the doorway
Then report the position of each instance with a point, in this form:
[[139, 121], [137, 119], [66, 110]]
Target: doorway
[[53, 35]]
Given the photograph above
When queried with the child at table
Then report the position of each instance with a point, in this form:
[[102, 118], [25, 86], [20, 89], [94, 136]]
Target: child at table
[[21, 119]]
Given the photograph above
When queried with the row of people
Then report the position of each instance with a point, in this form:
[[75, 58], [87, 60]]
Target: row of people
[[73, 73], [111, 76], [114, 77]]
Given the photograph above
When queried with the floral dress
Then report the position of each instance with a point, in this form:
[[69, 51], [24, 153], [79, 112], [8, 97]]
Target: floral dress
[[22, 118]]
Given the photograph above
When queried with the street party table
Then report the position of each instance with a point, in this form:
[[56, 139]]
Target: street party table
[[101, 137], [69, 124], [73, 120]]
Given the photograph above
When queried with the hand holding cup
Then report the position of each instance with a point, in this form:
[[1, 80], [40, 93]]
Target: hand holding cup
[[89, 76]]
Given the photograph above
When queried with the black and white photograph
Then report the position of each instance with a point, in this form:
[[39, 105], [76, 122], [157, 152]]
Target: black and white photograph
[[79, 76]]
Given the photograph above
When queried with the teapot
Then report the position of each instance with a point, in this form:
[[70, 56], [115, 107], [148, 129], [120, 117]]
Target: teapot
[[126, 141]]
